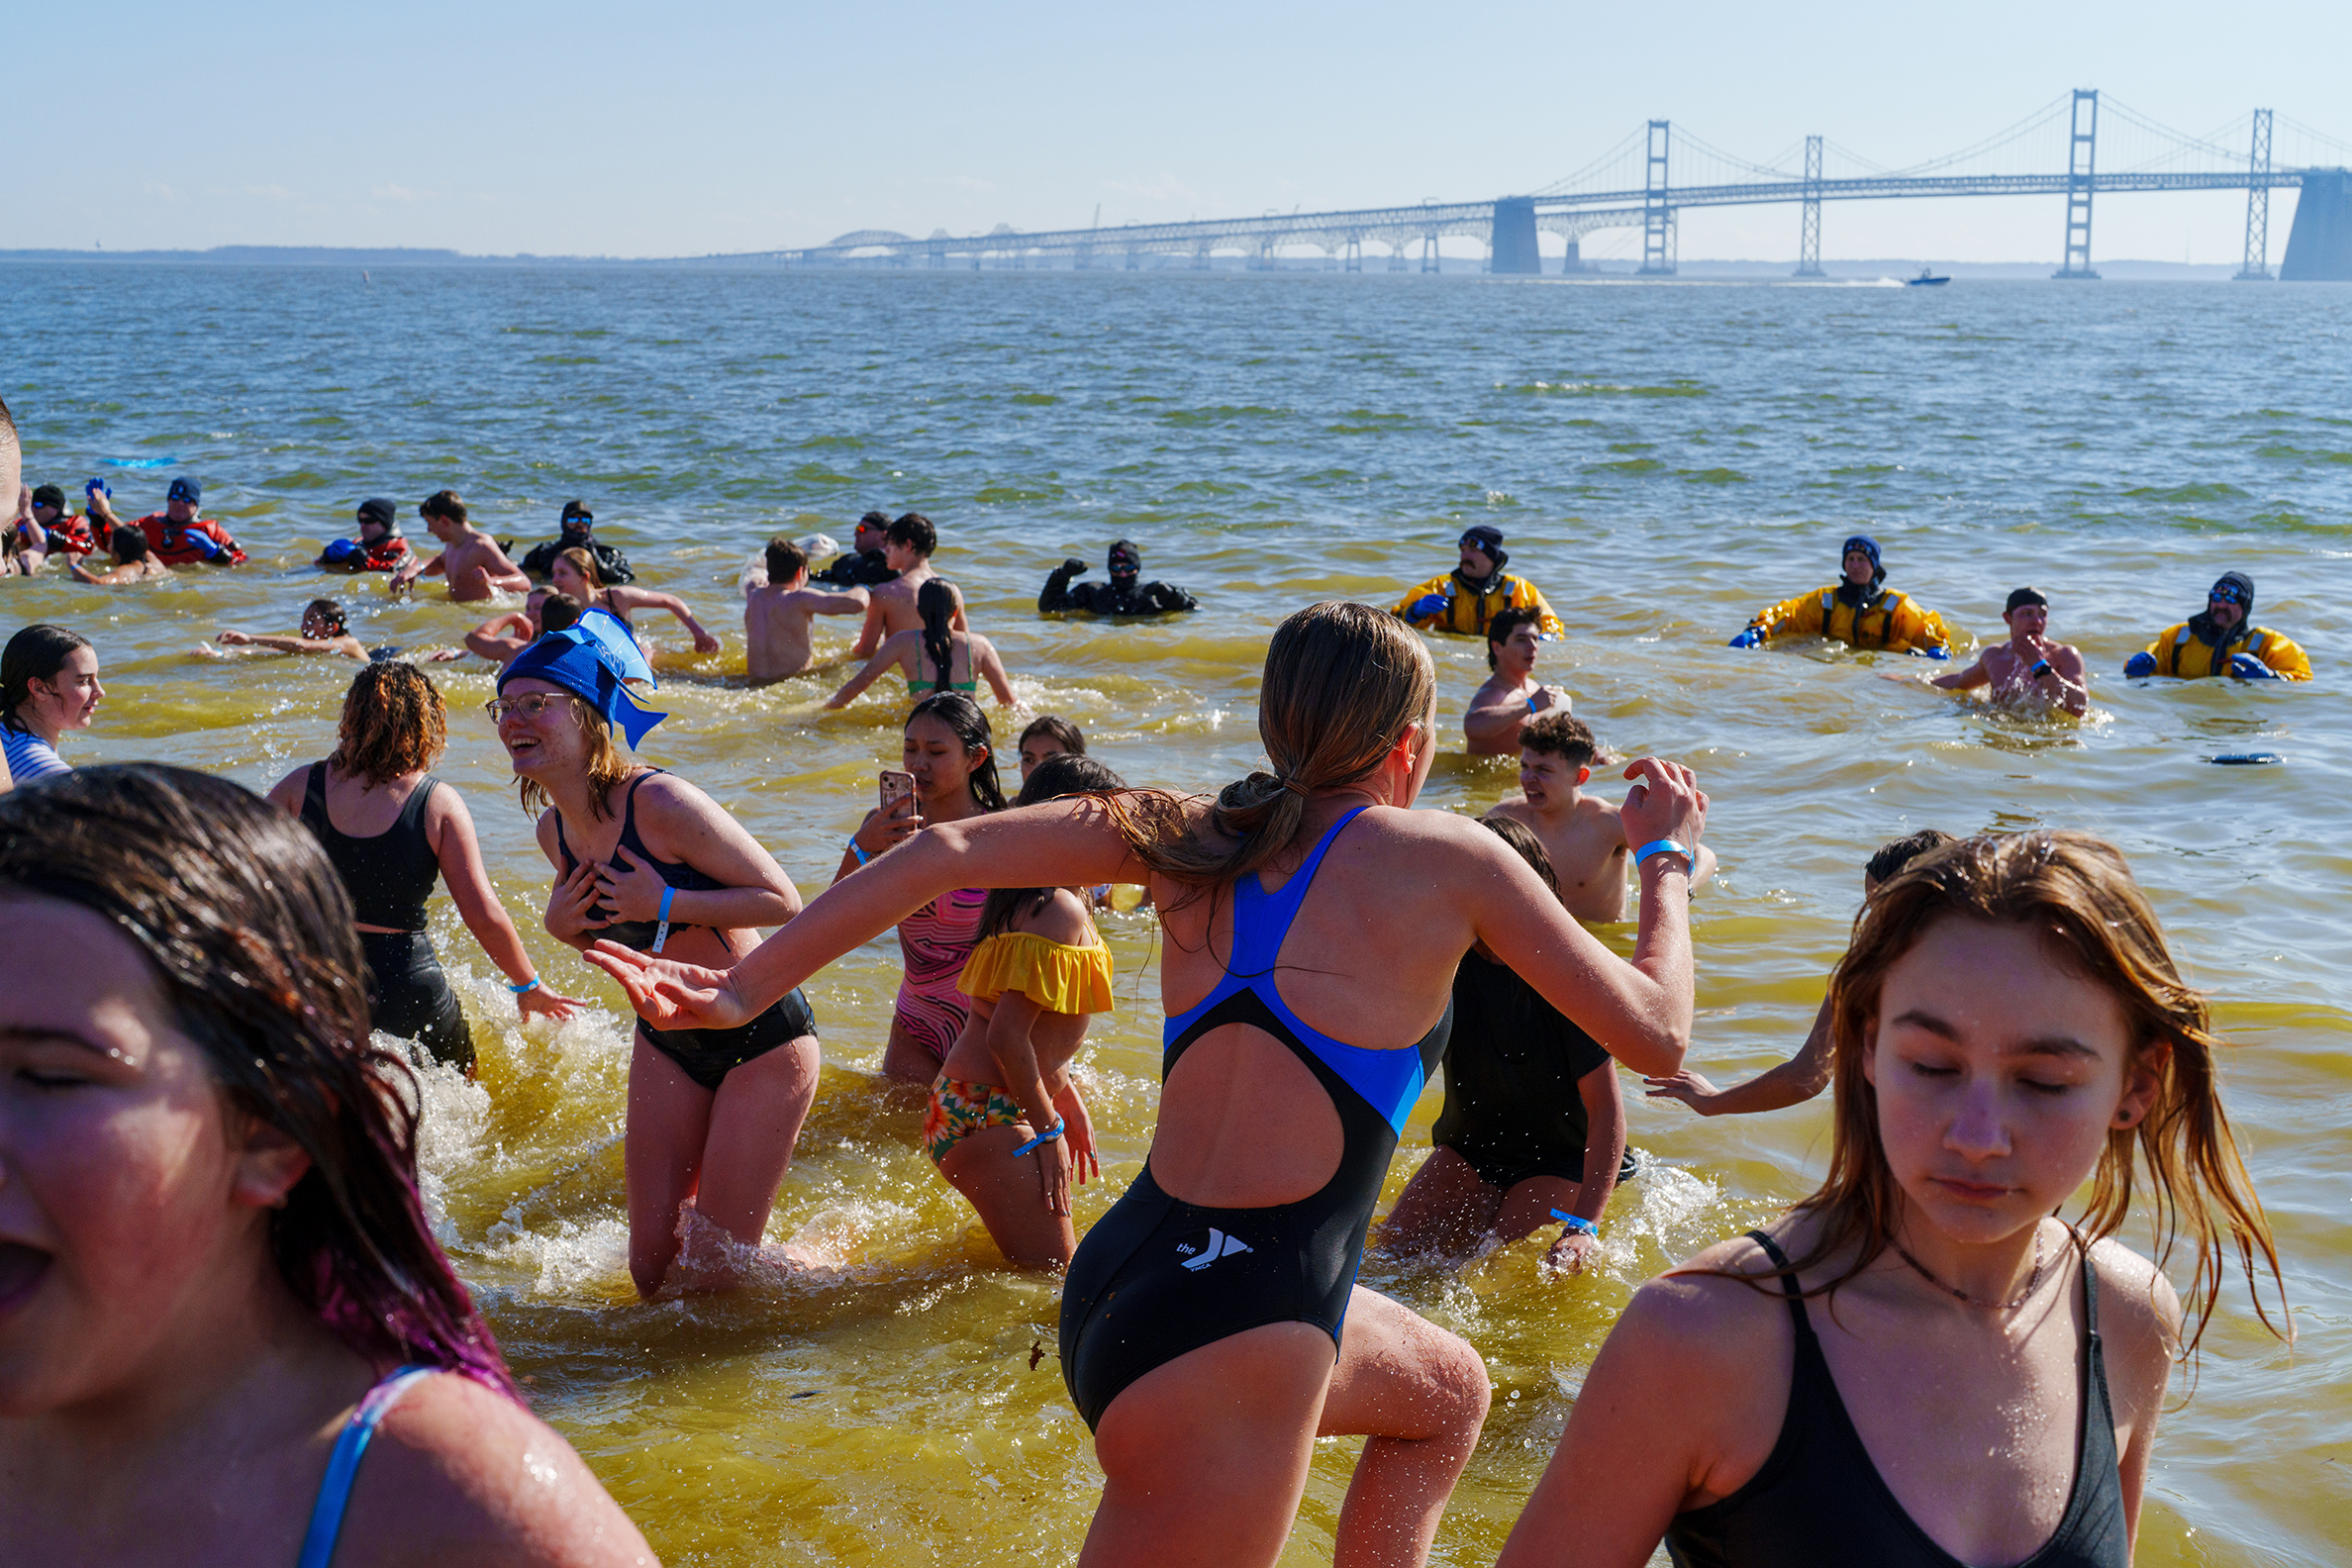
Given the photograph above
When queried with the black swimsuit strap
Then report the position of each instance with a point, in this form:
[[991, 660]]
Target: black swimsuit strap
[[1788, 1286]]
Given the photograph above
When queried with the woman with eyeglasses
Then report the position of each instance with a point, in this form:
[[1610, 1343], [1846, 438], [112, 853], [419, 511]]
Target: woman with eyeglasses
[[645, 859], [391, 831]]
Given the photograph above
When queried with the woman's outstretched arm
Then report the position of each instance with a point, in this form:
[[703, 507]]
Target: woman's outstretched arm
[[1059, 844]]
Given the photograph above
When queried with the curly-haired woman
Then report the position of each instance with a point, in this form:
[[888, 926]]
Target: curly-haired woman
[[392, 829]]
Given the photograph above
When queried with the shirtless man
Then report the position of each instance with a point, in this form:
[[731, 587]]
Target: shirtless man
[[322, 631], [1584, 836], [132, 560], [2029, 667], [470, 560], [906, 547], [1511, 695], [777, 606]]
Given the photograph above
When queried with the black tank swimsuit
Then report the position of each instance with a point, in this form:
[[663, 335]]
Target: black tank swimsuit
[[705, 1055], [1157, 1277], [1820, 1502], [389, 876]]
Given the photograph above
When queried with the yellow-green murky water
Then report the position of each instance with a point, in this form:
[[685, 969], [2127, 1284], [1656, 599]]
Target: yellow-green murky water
[[1663, 461]]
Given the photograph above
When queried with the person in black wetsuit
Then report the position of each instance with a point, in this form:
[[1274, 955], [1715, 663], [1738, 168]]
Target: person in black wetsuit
[[863, 565], [1533, 1126], [576, 533], [391, 829], [1919, 1365], [645, 859], [1211, 1324], [1123, 595]]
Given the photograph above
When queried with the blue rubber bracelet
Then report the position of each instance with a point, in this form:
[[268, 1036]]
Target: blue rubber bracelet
[[661, 923], [1576, 1223], [857, 850], [530, 984], [1047, 1136], [1530, 704], [1657, 846]]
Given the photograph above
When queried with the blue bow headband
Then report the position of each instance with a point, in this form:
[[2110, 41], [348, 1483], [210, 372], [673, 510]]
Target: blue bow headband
[[594, 658]]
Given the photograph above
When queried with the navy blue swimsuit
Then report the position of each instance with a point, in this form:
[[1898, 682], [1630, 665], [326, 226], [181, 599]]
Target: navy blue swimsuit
[[1159, 1277]]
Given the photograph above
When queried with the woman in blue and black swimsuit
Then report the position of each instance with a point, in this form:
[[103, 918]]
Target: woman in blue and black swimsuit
[[645, 859], [1307, 1003]]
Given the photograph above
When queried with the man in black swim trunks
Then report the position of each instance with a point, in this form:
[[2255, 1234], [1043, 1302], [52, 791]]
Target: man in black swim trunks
[[864, 563], [1123, 595], [1533, 1126]]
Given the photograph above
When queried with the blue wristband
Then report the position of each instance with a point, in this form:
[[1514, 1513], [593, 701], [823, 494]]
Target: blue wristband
[[1047, 1136], [1658, 847], [530, 984], [661, 927], [1531, 702], [1577, 1222], [858, 850]]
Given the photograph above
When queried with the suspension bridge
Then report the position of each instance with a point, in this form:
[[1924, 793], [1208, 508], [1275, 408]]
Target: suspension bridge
[[1656, 175]]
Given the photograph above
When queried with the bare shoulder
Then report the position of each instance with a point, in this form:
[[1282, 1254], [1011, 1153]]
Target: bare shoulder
[[1063, 918], [1516, 808], [1593, 811], [286, 793], [547, 831], [2139, 1314], [666, 798], [460, 1475]]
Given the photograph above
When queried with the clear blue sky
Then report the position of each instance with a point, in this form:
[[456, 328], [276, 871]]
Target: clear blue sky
[[596, 129]]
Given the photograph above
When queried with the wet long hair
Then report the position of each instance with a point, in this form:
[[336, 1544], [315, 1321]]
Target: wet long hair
[[35, 654], [2077, 893], [1054, 778], [1341, 682], [935, 602], [248, 932], [963, 716], [393, 723], [584, 563]]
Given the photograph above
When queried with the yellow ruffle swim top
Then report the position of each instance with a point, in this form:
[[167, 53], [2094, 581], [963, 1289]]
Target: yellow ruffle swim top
[[1056, 976]]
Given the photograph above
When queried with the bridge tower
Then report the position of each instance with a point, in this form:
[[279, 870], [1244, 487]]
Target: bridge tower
[[1657, 218], [1809, 235], [2257, 165], [1513, 237], [2082, 151]]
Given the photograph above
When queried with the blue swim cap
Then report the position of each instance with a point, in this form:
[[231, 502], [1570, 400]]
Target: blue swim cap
[[188, 490], [1868, 546], [593, 658]]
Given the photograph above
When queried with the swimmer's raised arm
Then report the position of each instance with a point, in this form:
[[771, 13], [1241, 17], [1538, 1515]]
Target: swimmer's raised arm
[[1640, 1010], [1060, 843], [1792, 1082]]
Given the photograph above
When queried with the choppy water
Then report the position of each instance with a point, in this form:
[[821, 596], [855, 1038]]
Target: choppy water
[[1663, 459]]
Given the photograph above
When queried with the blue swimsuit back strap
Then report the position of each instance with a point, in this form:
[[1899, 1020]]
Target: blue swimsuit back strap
[[1389, 1081], [342, 1466]]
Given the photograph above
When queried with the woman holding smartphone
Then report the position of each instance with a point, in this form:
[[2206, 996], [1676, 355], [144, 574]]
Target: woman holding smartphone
[[949, 775]]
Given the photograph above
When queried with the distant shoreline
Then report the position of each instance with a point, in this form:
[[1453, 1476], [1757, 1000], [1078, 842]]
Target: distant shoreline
[[1714, 270]]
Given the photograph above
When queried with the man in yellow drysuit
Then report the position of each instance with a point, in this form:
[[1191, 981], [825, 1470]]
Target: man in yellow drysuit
[[1859, 609], [1465, 599], [2225, 640]]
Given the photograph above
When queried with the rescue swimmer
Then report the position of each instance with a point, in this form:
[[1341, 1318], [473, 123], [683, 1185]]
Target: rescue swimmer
[[1859, 610], [1465, 599], [2225, 640], [1123, 595], [380, 545]]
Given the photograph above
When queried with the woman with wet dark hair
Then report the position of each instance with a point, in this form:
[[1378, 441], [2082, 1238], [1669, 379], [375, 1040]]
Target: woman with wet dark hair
[[936, 656], [49, 684], [392, 831], [217, 1279]]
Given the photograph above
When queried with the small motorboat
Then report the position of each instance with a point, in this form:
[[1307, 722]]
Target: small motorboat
[[1927, 279]]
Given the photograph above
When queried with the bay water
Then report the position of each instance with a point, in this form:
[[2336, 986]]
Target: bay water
[[1663, 459]]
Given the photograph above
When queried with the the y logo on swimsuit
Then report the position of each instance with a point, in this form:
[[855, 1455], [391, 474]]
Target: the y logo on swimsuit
[[1198, 1254]]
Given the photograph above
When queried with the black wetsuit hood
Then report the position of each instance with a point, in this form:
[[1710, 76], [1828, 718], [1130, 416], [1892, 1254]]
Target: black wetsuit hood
[[2201, 626]]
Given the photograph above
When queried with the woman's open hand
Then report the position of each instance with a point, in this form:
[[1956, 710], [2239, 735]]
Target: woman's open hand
[[1078, 1132], [540, 1002], [1053, 1173], [670, 995]]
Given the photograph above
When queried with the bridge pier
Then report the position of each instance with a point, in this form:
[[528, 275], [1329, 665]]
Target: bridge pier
[[1429, 253], [1513, 243], [2319, 245]]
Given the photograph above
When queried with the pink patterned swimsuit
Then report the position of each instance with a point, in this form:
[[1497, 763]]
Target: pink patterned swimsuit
[[936, 941]]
